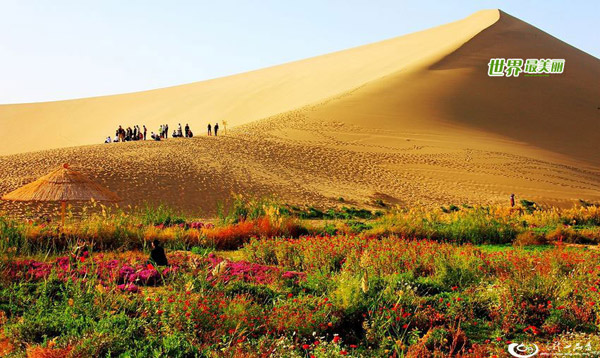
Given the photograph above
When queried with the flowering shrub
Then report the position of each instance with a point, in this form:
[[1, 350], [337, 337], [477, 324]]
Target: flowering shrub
[[226, 271], [126, 273]]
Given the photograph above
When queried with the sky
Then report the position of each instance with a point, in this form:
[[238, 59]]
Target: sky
[[59, 49]]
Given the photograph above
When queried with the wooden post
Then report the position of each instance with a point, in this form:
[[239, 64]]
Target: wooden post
[[63, 207]]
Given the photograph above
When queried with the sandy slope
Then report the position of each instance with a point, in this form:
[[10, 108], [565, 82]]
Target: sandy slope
[[409, 120], [239, 99]]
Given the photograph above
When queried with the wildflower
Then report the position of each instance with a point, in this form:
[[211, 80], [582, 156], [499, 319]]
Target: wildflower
[[305, 346], [336, 339], [343, 352]]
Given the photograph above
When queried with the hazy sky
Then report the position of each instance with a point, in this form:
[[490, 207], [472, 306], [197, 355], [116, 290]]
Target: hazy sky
[[58, 49]]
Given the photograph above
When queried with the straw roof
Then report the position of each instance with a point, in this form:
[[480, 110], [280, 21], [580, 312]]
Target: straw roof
[[63, 184]]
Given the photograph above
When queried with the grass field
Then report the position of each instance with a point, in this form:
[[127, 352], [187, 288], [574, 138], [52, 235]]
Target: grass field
[[266, 279]]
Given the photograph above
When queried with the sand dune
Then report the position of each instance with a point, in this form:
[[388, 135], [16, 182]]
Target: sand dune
[[410, 120], [238, 99]]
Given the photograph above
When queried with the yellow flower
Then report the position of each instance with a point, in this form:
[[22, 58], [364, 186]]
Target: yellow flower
[[100, 288], [364, 283]]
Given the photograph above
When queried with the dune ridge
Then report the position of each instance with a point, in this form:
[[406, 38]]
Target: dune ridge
[[238, 99]]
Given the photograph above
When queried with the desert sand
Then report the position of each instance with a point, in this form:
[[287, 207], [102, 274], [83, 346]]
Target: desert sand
[[413, 120]]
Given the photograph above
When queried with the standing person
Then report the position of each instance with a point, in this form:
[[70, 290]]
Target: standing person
[[187, 130], [216, 128], [121, 134], [179, 131], [145, 130], [166, 131], [209, 131], [512, 200]]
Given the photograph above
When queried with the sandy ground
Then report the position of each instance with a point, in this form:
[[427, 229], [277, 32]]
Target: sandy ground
[[307, 167], [411, 120]]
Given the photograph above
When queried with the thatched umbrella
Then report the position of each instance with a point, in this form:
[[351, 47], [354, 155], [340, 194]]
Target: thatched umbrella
[[62, 184]]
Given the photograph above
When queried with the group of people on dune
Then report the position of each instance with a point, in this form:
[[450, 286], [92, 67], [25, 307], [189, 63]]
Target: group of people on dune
[[137, 133]]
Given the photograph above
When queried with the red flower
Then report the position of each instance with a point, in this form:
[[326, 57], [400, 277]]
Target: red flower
[[159, 312], [343, 352], [150, 267], [336, 339], [81, 258], [306, 346]]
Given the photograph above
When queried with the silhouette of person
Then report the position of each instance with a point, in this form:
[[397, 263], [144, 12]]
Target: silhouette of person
[[512, 200], [209, 132], [216, 128], [157, 254]]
